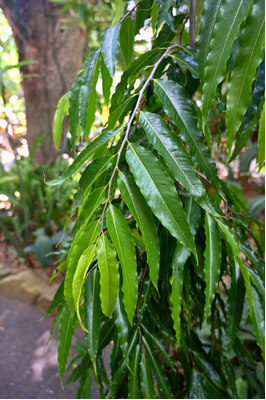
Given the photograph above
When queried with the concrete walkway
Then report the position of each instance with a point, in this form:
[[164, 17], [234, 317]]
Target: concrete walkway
[[28, 369]]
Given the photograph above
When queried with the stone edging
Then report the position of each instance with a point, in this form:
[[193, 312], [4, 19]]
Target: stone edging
[[26, 287]]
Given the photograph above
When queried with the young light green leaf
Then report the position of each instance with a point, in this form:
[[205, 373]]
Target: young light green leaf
[[121, 237], [82, 241], [171, 148], [146, 378], [109, 279], [160, 193], [178, 106], [92, 147], [122, 326], [74, 110], [90, 70], [229, 236], [248, 57], [180, 257], [59, 117], [109, 47], [143, 216], [261, 140], [235, 304], [92, 319], [127, 35], [133, 380], [65, 336], [230, 15], [258, 321], [212, 266], [208, 19], [158, 369], [79, 278]]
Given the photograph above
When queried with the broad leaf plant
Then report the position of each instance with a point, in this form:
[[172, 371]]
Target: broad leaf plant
[[166, 264]]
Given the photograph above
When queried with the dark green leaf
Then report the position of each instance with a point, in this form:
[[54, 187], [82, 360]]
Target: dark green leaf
[[258, 321], [213, 253], [146, 378], [127, 35], [177, 105], [261, 140], [196, 385], [106, 82], [122, 326], [133, 380], [160, 193], [65, 335], [92, 314]]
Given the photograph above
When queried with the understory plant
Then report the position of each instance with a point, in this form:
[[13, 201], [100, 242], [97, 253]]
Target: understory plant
[[166, 263]]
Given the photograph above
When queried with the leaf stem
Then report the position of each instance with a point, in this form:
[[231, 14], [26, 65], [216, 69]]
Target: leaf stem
[[129, 12]]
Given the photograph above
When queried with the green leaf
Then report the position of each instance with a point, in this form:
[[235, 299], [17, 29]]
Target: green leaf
[[92, 319], [120, 234], [235, 248], [92, 105], [91, 203], [235, 304], [74, 110], [248, 57], [122, 326], [86, 87], [120, 112], [258, 321], [143, 216], [160, 193], [188, 61], [106, 82], [65, 336], [79, 278], [146, 378], [164, 8], [93, 171], [156, 340], [208, 20], [82, 241], [109, 279], [196, 390], [212, 254], [143, 12], [230, 15], [178, 106], [57, 300], [60, 112], [133, 380], [261, 140], [127, 35], [171, 148], [109, 47], [158, 369], [92, 147], [180, 257]]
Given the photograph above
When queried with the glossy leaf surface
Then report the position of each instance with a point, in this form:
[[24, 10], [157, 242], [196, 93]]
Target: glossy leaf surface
[[65, 336], [109, 47]]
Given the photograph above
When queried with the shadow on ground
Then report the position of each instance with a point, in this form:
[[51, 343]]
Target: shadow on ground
[[28, 369]]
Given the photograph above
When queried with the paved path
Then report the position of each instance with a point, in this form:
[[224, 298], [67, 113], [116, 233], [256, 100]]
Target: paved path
[[28, 369]]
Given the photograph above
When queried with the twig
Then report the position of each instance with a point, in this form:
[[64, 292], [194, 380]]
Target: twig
[[129, 12], [192, 22], [131, 119]]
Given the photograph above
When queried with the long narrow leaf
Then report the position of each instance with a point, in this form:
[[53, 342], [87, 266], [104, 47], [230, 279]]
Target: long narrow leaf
[[109, 279], [178, 106], [248, 57], [170, 146], [159, 193], [133, 381], [213, 253], [230, 15], [79, 278], [146, 378], [92, 314], [142, 214], [122, 326], [58, 118], [65, 336], [261, 140], [258, 321], [109, 47], [121, 237]]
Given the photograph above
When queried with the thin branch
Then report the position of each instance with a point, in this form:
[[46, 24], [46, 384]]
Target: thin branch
[[129, 12], [156, 65]]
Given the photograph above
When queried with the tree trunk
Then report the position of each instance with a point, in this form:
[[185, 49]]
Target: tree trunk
[[58, 55]]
